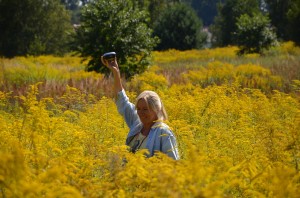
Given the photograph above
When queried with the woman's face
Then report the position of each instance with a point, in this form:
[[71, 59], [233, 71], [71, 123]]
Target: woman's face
[[146, 114]]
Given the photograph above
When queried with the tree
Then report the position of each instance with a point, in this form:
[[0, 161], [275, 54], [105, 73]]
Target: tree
[[155, 8], [278, 13], [179, 27], [33, 27], [206, 10], [293, 16], [71, 4], [228, 14], [115, 26], [254, 34], [285, 16], [74, 6]]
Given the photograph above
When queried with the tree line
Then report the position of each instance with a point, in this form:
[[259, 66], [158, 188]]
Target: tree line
[[133, 28]]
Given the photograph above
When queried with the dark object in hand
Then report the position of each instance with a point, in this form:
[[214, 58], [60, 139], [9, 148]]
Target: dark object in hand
[[109, 56]]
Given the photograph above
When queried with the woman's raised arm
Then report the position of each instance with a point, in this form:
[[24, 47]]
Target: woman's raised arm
[[112, 64]]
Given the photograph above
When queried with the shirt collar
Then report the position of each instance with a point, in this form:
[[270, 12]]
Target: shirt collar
[[157, 123]]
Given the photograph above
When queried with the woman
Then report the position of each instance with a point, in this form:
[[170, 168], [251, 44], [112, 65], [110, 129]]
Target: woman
[[147, 131]]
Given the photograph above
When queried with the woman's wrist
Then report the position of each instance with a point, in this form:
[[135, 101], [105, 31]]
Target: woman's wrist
[[116, 73]]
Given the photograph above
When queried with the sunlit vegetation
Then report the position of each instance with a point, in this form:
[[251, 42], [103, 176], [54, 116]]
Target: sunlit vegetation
[[236, 119]]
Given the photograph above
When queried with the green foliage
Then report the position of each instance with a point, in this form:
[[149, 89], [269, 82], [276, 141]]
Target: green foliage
[[285, 17], [180, 28], [115, 26], [228, 14], [278, 14], [155, 9], [71, 4], [33, 27], [206, 10], [293, 15], [254, 34], [74, 8]]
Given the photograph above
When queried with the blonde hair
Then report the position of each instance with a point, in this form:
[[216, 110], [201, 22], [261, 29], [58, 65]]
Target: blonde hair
[[154, 102]]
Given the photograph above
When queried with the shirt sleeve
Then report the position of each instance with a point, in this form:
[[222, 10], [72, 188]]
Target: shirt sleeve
[[126, 109], [169, 145]]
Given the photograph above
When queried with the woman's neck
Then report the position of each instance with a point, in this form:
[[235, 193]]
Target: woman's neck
[[146, 129]]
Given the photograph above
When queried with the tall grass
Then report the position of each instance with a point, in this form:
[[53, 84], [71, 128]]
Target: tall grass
[[283, 60], [55, 73], [236, 122]]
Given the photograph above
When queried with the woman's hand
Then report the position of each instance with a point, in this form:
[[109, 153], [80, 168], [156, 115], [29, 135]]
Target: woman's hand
[[111, 64]]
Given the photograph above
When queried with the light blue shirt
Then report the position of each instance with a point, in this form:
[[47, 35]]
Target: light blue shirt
[[161, 138]]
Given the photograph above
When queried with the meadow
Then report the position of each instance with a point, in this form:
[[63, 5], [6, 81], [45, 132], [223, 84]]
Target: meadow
[[236, 119]]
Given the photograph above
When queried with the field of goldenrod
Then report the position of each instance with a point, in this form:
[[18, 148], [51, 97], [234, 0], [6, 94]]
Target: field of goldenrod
[[236, 119]]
